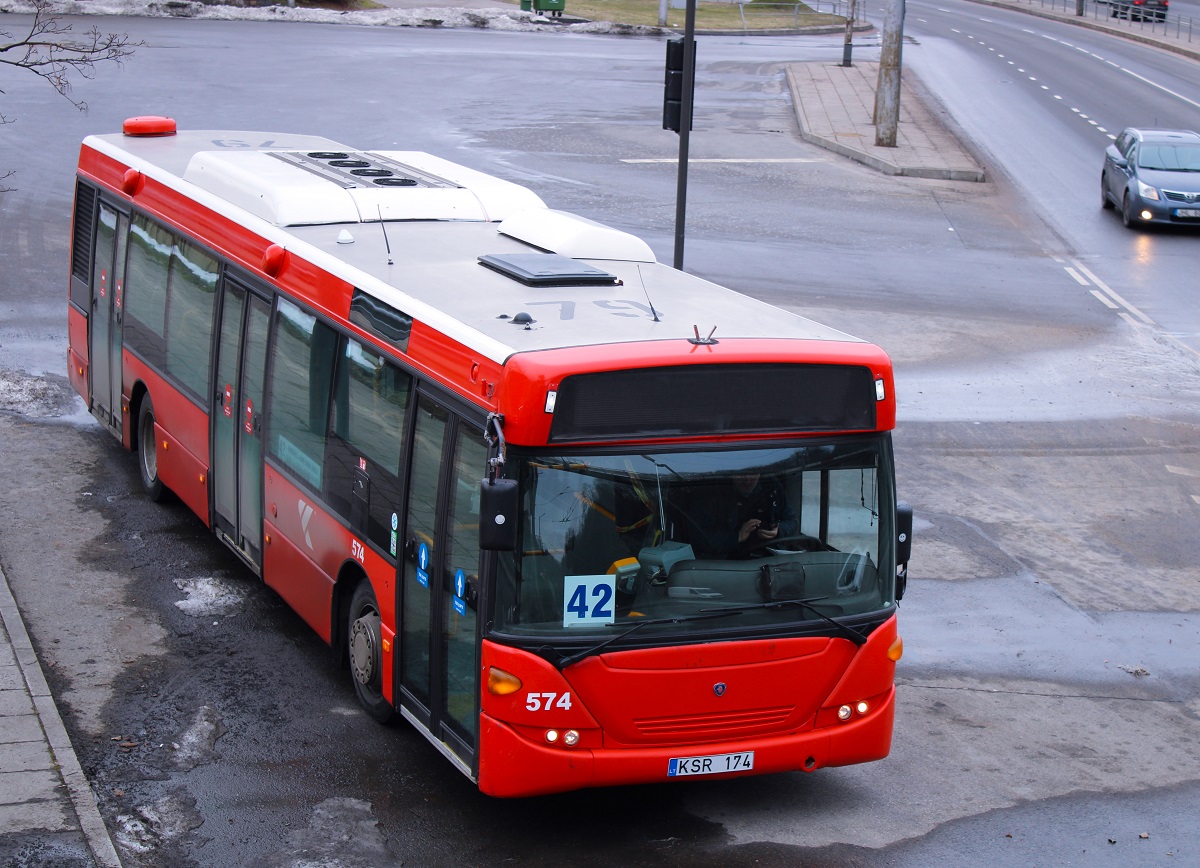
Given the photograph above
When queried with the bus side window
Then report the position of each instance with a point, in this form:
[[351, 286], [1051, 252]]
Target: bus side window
[[193, 281], [147, 278], [366, 438], [301, 375]]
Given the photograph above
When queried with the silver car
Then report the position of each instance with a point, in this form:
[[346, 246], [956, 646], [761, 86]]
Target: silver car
[[1153, 176]]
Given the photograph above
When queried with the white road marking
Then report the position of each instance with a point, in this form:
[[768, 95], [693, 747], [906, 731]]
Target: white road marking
[[1160, 87], [1111, 293], [730, 160], [1079, 278]]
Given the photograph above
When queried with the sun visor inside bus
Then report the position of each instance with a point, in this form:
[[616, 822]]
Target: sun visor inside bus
[[547, 269]]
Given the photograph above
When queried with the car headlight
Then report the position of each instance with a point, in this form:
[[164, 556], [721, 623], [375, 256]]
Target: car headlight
[[1147, 192]]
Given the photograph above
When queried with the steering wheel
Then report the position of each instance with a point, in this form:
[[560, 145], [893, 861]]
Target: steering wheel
[[800, 542]]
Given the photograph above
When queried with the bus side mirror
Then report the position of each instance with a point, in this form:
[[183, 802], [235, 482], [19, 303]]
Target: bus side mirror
[[904, 525], [498, 515]]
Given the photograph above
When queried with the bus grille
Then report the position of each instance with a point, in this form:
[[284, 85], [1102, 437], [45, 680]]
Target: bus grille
[[714, 724]]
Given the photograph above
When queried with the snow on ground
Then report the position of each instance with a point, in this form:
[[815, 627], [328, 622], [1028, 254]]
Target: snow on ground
[[500, 18]]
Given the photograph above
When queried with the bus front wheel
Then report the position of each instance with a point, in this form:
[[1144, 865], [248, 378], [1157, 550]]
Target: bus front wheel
[[147, 454], [366, 658]]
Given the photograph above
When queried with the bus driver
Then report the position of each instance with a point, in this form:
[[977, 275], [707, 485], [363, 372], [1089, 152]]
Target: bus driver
[[734, 519]]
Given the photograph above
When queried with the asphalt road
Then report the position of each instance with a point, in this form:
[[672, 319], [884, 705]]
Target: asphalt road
[[1048, 710]]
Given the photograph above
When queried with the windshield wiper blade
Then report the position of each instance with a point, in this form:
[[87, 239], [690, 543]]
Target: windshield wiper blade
[[564, 662], [853, 635]]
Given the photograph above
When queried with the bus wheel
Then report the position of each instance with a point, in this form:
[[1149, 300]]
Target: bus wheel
[[366, 659], [147, 455]]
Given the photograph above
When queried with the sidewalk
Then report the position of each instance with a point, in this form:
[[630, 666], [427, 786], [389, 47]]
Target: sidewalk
[[834, 105], [48, 813]]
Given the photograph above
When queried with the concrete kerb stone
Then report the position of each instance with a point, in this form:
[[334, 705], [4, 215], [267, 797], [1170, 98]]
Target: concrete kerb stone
[[834, 105], [83, 800]]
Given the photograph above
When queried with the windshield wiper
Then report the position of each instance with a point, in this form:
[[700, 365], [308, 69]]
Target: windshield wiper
[[853, 635], [564, 662]]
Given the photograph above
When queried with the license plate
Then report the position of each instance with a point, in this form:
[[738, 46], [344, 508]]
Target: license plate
[[715, 764], [1193, 213]]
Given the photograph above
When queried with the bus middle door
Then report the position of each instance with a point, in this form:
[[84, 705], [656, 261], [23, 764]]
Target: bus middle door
[[439, 636], [237, 464]]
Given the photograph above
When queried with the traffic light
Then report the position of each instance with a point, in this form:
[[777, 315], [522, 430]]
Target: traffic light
[[673, 86]]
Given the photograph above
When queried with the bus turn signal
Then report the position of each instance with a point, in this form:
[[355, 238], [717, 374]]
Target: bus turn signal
[[501, 683]]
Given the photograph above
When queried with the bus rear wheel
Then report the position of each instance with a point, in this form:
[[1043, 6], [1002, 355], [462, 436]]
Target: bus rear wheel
[[364, 629], [147, 454]]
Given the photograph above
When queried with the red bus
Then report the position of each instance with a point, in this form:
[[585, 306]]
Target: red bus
[[581, 518]]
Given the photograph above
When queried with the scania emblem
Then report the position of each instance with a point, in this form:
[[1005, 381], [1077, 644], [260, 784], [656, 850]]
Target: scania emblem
[[719, 688]]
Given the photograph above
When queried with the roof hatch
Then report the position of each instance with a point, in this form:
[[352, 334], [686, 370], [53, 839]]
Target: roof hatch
[[547, 269]]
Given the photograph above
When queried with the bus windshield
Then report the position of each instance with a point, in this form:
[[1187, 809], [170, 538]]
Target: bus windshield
[[779, 537]]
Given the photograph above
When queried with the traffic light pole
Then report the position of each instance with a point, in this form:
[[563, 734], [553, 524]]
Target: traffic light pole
[[685, 127]]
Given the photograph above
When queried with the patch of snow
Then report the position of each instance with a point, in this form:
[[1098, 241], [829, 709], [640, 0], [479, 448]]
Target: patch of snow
[[209, 596], [434, 16]]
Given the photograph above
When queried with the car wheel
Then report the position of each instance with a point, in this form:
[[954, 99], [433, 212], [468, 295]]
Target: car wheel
[[1127, 212], [1105, 202]]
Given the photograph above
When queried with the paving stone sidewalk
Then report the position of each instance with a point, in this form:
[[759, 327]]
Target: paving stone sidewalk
[[834, 106], [48, 814]]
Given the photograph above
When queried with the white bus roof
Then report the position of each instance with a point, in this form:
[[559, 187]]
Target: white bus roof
[[410, 229]]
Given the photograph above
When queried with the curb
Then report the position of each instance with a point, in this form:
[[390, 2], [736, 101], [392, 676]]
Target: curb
[[947, 161], [83, 800]]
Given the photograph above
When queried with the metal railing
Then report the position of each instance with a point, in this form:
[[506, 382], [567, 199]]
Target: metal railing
[[1125, 15]]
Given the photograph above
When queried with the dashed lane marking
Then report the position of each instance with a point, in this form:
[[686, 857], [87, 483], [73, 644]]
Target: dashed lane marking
[[1183, 471], [1111, 293]]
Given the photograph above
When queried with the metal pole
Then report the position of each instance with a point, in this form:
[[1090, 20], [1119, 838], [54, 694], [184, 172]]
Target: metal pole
[[685, 126]]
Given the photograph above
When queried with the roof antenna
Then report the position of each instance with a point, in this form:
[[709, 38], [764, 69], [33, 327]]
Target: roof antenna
[[383, 226], [647, 292]]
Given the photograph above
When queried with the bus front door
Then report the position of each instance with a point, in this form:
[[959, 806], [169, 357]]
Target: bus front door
[[237, 465], [104, 335], [439, 675]]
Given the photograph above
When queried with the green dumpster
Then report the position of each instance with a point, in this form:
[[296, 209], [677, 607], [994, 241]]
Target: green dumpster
[[526, 5], [554, 7]]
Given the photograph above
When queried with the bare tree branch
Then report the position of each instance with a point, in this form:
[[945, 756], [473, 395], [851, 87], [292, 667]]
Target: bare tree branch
[[53, 52]]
